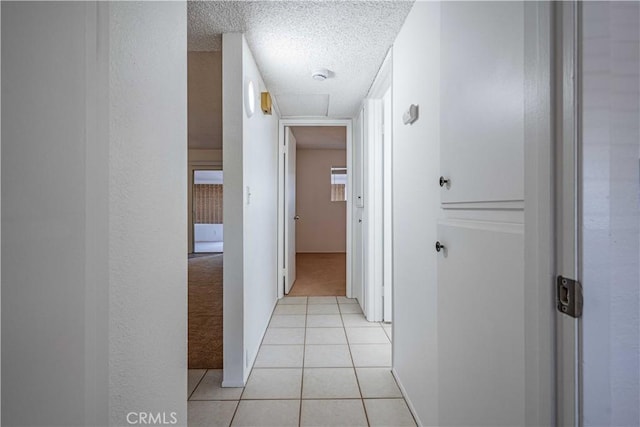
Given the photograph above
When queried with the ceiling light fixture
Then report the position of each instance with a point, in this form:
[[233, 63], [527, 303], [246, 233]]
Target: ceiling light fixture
[[320, 74]]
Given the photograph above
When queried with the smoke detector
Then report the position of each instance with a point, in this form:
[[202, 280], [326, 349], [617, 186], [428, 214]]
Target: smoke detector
[[320, 74]]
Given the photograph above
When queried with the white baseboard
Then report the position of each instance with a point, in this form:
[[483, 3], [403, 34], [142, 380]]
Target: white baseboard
[[232, 384], [406, 398]]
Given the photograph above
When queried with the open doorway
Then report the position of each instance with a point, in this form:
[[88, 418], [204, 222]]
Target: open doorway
[[315, 205], [207, 211]]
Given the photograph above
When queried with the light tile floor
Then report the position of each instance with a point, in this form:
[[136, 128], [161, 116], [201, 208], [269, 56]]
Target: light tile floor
[[320, 364]]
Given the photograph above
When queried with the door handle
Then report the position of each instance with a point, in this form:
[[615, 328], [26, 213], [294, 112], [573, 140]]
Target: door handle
[[297, 217], [444, 181], [439, 247]]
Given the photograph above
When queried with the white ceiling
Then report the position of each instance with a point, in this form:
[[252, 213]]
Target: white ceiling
[[289, 39], [320, 137]]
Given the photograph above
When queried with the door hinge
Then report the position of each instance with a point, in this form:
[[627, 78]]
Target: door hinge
[[569, 296]]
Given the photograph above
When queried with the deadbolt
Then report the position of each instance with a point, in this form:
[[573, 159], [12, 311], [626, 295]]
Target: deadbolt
[[439, 247]]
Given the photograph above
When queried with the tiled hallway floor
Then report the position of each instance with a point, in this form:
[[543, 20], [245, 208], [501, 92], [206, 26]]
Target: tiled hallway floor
[[320, 364]]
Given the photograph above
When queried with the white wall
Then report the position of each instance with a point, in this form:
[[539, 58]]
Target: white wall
[[94, 293], [250, 202], [416, 196], [323, 224], [260, 171], [148, 160], [611, 226]]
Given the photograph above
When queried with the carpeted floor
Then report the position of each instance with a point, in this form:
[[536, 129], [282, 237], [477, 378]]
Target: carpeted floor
[[205, 312], [320, 275]]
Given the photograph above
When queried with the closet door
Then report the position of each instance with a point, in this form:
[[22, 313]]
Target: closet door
[[481, 321], [482, 101]]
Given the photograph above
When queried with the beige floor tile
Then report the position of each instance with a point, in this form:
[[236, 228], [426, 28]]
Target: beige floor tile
[[358, 321], [345, 300], [350, 309], [280, 356], [329, 383], [367, 336], [292, 300], [323, 309], [388, 412], [193, 378], [290, 309], [377, 382], [210, 388], [267, 413], [210, 414], [371, 355], [287, 321], [338, 413], [273, 384], [322, 300], [324, 321], [326, 336], [387, 330], [284, 336], [327, 356]]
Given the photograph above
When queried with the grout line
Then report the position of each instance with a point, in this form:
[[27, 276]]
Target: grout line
[[304, 356], [197, 385], [355, 373]]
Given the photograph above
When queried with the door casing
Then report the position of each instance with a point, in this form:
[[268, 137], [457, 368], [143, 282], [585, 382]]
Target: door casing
[[293, 122]]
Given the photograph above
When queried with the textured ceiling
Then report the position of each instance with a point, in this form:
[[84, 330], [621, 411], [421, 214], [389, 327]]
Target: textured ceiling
[[289, 39], [320, 137]]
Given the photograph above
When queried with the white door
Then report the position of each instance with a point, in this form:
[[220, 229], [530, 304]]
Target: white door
[[290, 210], [481, 293]]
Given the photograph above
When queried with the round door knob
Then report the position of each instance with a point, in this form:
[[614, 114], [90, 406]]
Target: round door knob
[[297, 217], [444, 181], [439, 247]]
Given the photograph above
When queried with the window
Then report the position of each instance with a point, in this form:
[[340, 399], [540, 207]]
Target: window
[[338, 184]]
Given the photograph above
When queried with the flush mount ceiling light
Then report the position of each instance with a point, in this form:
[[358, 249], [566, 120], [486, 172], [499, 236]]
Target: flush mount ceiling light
[[320, 74]]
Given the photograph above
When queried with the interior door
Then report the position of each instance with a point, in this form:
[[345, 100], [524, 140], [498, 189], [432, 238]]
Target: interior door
[[290, 211], [481, 305]]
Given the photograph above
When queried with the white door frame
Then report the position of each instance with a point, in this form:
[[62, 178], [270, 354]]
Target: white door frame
[[377, 265], [283, 123], [568, 330]]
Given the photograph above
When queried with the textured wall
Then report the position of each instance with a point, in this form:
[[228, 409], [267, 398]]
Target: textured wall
[[323, 224], [148, 161]]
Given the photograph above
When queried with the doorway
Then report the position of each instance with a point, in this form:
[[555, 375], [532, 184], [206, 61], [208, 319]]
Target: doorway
[[315, 208], [207, 211]]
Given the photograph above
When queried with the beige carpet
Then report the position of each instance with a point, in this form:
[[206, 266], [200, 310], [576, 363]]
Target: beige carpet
[[205, 312], [320, 275]]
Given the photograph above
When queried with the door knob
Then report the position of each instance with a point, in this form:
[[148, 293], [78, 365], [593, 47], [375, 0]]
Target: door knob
[[444, 181], [439, 247], [297, 217]]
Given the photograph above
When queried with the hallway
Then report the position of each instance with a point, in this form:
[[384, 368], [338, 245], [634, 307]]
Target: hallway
[[320, 274], [320, 363]]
